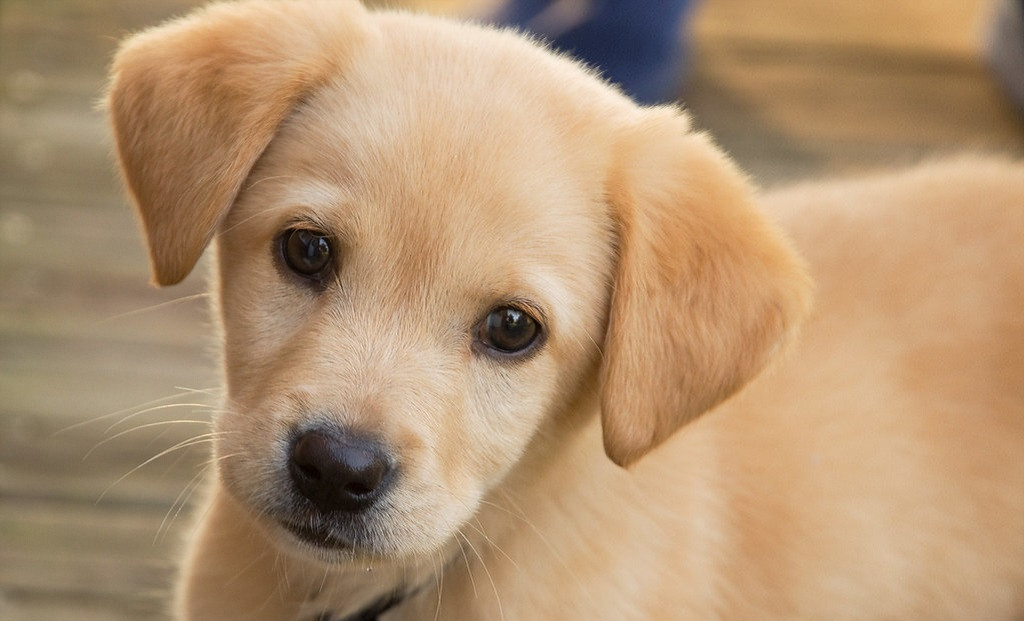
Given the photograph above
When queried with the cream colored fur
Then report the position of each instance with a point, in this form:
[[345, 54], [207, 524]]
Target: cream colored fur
[[875, 471]]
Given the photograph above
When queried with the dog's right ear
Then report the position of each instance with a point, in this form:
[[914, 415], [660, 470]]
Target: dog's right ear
[[195, 102], [707, 289]]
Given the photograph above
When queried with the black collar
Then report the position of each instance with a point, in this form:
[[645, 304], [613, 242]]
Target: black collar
[[375, 609]]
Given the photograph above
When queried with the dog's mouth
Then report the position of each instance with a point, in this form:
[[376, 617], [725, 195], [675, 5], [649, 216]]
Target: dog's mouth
[[319, 536]]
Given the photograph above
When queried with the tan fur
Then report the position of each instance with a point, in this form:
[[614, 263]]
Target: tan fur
[[678, 343], [177, 163], [876, 471]]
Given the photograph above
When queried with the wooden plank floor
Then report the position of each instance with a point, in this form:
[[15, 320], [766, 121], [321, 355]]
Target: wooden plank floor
[[94, 365]]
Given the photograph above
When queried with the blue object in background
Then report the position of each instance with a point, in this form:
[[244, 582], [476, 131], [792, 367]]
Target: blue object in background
[[638, 44]]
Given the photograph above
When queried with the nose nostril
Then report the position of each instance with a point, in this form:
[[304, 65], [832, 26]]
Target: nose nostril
[[310, 453], [336, 471], [358, 490], [310, 472]]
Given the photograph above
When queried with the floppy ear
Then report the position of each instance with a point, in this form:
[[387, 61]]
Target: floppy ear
[[195, 102], [706, 289]]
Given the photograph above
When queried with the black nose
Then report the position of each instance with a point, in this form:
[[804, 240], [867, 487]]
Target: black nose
[[337, 471]]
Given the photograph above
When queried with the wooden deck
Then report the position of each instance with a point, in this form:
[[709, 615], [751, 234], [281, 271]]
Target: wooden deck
[[94, 364]]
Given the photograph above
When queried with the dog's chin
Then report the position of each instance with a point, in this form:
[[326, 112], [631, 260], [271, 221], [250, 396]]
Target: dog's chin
[[336, 538], [343, 543], [325, 542]]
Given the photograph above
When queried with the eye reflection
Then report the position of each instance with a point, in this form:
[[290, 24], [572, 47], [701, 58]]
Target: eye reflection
[[509, 330], [306, 252]]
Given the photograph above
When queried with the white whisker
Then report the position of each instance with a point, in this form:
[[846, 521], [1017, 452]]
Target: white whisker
[[183, 498], [147, 406], [194, 441], [156, 408], [487, 572], [154, 307], [179, 503], [490, 542], [162, 423], [469, 567], [439, 580]]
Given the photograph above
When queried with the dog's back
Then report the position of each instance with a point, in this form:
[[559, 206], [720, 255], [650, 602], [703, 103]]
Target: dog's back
[[885, 454]]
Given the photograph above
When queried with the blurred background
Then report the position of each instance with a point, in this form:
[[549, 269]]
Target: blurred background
[[106, 383]]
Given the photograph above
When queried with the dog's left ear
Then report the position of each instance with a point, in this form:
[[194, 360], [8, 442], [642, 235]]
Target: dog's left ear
[[706, 290], [196, 101]]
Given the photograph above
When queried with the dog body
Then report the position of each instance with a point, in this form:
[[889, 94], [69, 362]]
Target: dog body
[[451, 266]]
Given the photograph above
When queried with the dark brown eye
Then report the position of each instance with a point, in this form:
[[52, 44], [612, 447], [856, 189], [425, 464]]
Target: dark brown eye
[[508, 330], [306, 252]]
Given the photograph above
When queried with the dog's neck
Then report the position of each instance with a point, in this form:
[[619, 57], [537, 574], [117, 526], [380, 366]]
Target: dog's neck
[[394, 593]]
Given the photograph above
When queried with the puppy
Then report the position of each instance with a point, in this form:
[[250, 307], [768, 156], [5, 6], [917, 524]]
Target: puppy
[[468, 294]]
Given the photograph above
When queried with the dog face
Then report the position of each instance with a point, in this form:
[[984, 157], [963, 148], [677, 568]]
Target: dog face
[[436, 294], [435, 244]]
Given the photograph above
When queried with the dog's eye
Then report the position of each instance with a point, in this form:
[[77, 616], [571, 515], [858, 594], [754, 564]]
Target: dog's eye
[[306, 252], [508, 330]]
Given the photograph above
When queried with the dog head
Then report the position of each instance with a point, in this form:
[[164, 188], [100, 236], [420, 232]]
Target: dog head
[[434, 242]]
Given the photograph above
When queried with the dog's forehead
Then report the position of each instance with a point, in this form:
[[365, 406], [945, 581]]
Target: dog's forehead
[[440, 111]]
